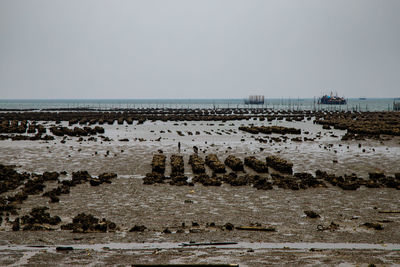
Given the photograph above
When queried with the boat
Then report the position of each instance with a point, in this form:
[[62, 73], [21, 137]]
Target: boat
[[396, 105], [332, 100], [362, 98], [255, 99]]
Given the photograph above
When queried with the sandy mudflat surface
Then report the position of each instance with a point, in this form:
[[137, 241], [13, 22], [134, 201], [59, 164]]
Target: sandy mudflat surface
[[128, 202]]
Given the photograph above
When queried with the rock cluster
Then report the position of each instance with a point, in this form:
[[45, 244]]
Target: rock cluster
[[213, 162], [206, 180], [362, 124], [10, 179], [157, 170], [20, 137], [197, 164], [76, 131], [256, 164], [38, 219], [177, 171], [279, 164], [158, 163], [352, 182], [234, 163], [103, 178], [269, 130], [85, 223], [13, 126]]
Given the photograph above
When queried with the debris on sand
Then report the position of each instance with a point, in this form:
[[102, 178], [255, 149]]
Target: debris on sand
[[138, 228], [229, 226], [311, 214], [64, 248], [256, 228], [332, 227], [375, 226]]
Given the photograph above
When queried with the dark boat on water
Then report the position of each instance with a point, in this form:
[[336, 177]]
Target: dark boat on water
[[255, 99], [332, 100], [396, 105]]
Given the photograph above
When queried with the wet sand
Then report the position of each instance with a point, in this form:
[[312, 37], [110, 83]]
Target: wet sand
[[128, 202]]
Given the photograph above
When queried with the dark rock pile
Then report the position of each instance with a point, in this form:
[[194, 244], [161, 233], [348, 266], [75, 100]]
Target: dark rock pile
[[236, 180], [256, 164], [378, 179], [197, 164], [280, 164], [311, 214], [363, 124], [76, 131], [157, 170], [13, 126], [262, 183], [308, 180], [177, 165], [56, 192], [234, 163], [158, 163], [213, 162], [10, 179], [20, 137], [269, 130], [153, 178], [38, 219], [352, 182], [206, 180], [177, 171], [138, 228], [83, 223], [103, 178], [78, 177], [297, 181]]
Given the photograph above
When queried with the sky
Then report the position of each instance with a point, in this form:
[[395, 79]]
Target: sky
[[97, 49]]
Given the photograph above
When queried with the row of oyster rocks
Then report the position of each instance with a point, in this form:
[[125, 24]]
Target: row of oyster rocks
[[39, 219], [143, 114], [283, 178]]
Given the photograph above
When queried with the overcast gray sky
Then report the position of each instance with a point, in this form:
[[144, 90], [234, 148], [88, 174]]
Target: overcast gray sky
[[199, 49]]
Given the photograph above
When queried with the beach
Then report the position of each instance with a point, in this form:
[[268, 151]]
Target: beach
[[265, 224]]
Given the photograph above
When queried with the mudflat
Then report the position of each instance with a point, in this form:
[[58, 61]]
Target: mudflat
[[338, 191]]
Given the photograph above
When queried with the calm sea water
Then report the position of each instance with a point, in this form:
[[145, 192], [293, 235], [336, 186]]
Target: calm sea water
[[370, 104]]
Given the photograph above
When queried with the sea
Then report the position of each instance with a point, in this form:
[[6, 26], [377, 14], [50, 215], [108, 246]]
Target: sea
[[353, 104]]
